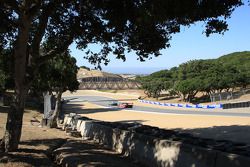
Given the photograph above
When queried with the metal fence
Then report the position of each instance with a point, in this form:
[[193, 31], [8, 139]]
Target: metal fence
[[231, 95], [105, 83]]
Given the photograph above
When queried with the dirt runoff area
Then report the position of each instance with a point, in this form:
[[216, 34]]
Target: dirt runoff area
[[44, 147], [218, 127]]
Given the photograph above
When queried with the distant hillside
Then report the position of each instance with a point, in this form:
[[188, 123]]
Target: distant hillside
[[239, 60], [210, 76], [238, 56], [85, 73]]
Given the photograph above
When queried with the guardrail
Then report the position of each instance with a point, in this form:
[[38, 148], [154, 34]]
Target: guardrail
[[201, 106]]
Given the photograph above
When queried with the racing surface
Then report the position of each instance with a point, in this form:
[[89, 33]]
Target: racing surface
[[106, 101]]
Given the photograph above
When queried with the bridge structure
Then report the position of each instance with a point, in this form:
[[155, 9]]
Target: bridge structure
[[105, 83]]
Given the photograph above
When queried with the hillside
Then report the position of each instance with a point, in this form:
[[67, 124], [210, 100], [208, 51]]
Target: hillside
[[239, 60], [236, 57], [208, 77], [85, 73]]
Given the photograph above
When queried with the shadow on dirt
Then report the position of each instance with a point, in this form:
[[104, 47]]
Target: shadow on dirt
[[86, 153], [235, 133], [32, 153], [132, 121]]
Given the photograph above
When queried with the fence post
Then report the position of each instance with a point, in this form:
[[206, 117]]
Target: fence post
[[211, 98]]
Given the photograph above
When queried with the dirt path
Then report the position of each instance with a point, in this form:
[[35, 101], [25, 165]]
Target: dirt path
[[37, 145]]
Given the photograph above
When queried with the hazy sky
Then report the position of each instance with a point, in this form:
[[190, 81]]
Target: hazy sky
[[189, 44]]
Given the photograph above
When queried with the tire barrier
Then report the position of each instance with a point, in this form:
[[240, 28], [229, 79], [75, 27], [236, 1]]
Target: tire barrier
[[154, 147], [236, 105], [200, 106]]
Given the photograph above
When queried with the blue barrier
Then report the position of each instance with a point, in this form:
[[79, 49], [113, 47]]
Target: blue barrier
[[200, 106], [166, 104], [161, 104], [180, 105]]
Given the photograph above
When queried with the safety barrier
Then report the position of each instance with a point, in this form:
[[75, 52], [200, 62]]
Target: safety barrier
[[236, 105], [201, 106]]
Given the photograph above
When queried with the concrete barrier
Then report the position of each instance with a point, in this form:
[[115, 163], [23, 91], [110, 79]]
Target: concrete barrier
[[151, 151], [85, 128]]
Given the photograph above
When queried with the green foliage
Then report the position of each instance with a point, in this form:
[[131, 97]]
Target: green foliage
[[2, 81], [224, 73], [240, 61], [6, 73], [2, 75], [118, 26], [58, 74], [157, 82]]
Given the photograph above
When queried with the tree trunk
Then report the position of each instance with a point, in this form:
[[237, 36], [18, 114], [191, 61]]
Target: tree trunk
[[14, 122], [54, 118], [183, 97], [15, 115]]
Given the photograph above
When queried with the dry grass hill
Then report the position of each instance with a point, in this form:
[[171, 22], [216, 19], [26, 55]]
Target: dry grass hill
[[85, 73]]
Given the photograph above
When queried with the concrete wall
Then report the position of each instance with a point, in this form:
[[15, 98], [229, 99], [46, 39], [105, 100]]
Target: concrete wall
[[151, 151]]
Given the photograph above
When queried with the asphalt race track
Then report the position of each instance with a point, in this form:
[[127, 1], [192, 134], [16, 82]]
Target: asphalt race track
[[105, 101]]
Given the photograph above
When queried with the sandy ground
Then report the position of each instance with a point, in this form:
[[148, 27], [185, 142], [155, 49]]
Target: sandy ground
[[170, 121], [36, 143], [218, 127]]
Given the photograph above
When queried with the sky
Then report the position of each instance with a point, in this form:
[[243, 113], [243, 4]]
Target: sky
[[189, 44]]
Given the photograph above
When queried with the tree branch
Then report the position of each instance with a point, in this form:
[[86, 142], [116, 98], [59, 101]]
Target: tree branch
[[34, 8], [52, 53], [12, 4], [43, 21]]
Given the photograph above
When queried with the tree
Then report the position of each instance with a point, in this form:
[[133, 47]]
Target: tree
[[156, 82], [188, 88], [3, 76], [238, 63], [153, 87], [2, 81], [189, 74], [210, 76], [6, 72], [57, 75], [116, 25]]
